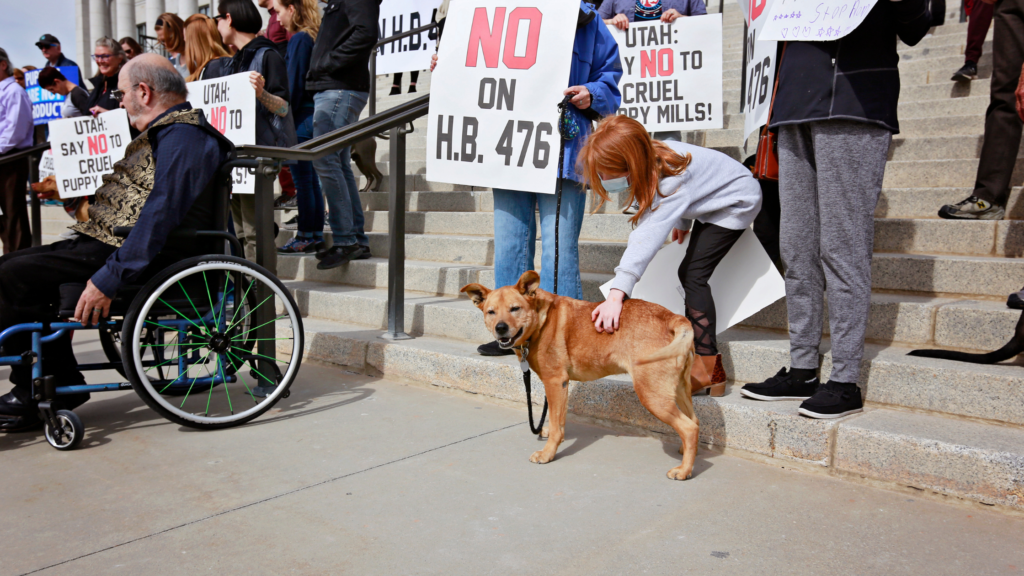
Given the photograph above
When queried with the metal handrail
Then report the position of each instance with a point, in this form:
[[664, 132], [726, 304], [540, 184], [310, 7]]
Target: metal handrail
[[373, 61], [267, 161], [24, 153]]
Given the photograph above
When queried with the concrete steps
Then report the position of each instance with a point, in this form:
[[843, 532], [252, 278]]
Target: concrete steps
[[953, 456], [945, 427]]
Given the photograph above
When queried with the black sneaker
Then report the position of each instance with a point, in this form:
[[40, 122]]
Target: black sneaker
[[786, 385], [292, 224], [1016, 300], [492, 349], [365, 254], [973, 208], [968, 72], [833, 400], [339, 255], [286, 202], [18, 412]]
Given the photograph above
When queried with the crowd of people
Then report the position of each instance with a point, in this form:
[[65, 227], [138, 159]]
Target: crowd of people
[[309, 70]]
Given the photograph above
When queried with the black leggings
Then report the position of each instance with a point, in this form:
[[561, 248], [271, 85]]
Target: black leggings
[[708, 245]]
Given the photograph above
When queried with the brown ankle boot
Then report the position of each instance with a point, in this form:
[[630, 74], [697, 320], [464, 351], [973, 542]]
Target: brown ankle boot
[[708, 373]]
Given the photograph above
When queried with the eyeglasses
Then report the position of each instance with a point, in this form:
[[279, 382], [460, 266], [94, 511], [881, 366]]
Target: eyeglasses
[[102, 57], [220, 17], [116, 95]]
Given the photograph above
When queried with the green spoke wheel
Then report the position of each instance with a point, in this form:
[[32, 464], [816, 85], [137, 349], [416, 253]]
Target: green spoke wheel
[[212, 342]]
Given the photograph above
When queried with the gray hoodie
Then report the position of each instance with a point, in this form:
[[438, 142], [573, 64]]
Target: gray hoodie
[[714, 189]]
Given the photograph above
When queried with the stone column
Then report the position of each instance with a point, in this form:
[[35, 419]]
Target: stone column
[[187, 8], [125, 18], [154, 8], [98, 24], [82, 42]]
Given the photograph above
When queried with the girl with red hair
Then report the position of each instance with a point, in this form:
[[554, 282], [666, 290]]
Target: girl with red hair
[[674, 184]]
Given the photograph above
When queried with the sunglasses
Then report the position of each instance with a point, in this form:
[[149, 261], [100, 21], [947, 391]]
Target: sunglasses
[[116, 95], [102, 57], [220, 17], [159, 23]]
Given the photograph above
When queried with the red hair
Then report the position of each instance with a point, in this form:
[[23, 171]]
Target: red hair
[[621, 145]]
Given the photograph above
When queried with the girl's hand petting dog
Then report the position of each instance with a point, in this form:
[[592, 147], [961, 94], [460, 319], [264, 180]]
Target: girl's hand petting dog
[[679, 235], [606, 316], [582, 98]]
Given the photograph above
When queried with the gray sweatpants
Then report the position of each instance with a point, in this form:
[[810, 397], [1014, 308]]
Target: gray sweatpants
[[830, 176]]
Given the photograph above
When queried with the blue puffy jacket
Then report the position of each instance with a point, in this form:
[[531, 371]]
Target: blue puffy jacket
[[596, 65]]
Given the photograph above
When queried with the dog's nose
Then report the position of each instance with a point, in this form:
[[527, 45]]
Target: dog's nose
[[501, 328]]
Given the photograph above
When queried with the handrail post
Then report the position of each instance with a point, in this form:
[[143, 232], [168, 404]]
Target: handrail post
[[373, 82], [36, 214], [266, 256], [396, 233]]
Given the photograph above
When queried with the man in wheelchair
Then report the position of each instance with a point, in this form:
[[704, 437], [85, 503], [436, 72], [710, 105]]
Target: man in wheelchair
[[165, 181]]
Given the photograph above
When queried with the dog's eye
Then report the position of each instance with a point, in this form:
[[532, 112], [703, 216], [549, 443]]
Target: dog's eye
[[491, 312], [514, 309]]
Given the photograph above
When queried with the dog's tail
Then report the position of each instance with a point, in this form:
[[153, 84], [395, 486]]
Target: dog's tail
[[680, 346], [1012, 348]]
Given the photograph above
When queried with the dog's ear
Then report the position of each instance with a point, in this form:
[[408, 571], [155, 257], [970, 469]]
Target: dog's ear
[[528, 283], [476, 293]]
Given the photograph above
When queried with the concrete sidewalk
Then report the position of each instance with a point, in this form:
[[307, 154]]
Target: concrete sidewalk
[[354, 474]]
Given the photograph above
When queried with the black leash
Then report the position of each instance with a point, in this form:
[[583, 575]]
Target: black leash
[[566, 134]]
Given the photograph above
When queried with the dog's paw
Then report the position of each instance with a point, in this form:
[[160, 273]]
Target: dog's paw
[[539, 457], [680, 473]]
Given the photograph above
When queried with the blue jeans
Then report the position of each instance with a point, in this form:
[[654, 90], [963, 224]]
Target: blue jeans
[[515, 237], [336, 109], [309, 197]]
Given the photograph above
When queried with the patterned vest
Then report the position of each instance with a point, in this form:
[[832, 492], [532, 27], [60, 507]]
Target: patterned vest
[[120, 200]]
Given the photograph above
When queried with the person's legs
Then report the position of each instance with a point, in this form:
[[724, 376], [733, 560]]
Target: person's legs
[[515, 234], [708, 245], [848, 190], [977, 29], [330, 114], [574, 199], [310, 200], [356, 103], [14, 224], [414, 77], [243, 213], [396, 84], [799, 232], [1002, 124]]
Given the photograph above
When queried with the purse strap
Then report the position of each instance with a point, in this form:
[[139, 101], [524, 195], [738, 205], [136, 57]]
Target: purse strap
[[775, 89]]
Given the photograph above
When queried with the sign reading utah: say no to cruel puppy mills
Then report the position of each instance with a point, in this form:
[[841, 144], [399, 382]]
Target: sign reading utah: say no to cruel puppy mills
[[672, 73], [229, 103], [86, 148], [502, 68]]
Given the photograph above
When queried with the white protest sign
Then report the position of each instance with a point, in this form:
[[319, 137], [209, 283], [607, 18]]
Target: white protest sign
[[814, 20], [502, 67], [745, 281], [672, 73], [759, 68], [412, 52], [229, 103], [86, 148], [46, 165]]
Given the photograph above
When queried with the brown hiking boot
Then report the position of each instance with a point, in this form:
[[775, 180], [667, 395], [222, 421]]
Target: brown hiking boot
[[708, 373]]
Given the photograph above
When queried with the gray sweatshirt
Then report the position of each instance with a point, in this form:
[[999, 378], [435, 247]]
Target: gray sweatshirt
[[714, 189]]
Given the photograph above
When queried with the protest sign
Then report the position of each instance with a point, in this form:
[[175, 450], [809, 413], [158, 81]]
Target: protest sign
[[412, 52], [759, 67], [814, 20], [46, 105], [745, 281], [86, 148], [672, 73], [229, 103], [46, 165], [501, 71]]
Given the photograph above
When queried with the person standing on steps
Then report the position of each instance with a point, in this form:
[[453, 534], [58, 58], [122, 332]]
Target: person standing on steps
[[594, 83], [979, 15], [675, 184], [1003, 121], [835, 113], [339, 79]]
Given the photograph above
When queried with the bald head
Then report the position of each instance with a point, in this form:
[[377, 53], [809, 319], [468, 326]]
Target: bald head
[[150, 86], [156, 72]]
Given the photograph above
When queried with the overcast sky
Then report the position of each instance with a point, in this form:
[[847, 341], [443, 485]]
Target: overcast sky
[[23, 22]]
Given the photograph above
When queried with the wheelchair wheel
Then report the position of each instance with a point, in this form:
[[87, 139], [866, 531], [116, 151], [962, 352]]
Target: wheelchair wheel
[[69, 432], [199, 317]]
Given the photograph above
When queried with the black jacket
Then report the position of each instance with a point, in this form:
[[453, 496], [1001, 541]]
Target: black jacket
[[853, 78], [341, 54], [100, 95], [275, 74]]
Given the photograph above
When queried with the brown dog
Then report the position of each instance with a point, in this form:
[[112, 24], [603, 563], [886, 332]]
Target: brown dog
[[364, 154], [556, 335], [46, 189]]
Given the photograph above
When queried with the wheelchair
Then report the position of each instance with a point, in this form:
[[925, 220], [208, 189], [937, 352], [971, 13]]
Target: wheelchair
[[209, 342]]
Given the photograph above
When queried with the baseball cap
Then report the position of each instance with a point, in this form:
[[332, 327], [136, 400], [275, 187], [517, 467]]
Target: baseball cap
[[46, 40]]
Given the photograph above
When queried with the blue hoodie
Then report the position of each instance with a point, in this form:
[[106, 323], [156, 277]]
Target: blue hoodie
[[596, 65]]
